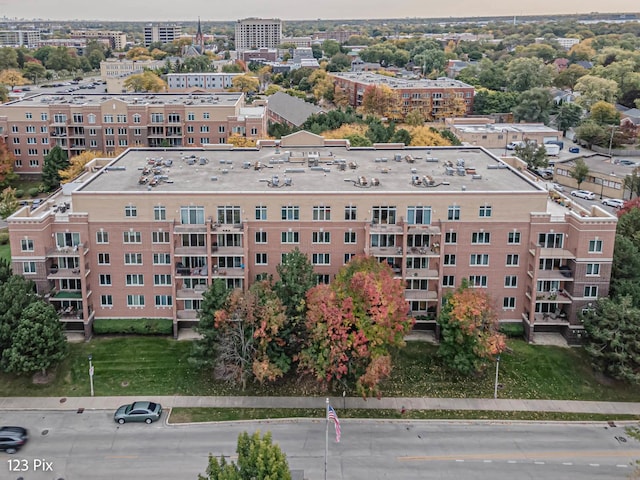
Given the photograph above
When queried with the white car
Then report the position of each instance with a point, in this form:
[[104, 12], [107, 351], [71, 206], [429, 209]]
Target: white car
[[613, 202], [557, 187], [586, 194]]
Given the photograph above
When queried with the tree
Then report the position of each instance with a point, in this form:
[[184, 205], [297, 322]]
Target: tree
[[570, 76], [580, 171], [625, 270], [37, 342], [534, 155], [381, 100], [12, 78], [533, 106], [77, 164], [7, 161], [34, 70], [54, 162], [604, 113], [5, 273], [245, 83], [568, 117], [330, 48], [593, 89], [8, 58], [258, 458], [414, 118], [353, 324], [296, 278], [16, 294], [612, 328], [8, 202], [527, 73], [592, 134], [203, 353], [146, 81], [632, 183], [469, 330], [487, 102]]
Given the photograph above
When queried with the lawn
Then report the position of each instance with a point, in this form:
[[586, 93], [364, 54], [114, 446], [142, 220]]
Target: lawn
[[5, 252], [159, 366]]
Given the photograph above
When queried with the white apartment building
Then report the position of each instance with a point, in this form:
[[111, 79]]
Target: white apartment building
[[210, 82], [19, 38], [161, 33], [255, 33]]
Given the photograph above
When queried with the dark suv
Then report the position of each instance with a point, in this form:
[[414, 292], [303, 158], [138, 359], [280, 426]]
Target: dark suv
[[13, 439]]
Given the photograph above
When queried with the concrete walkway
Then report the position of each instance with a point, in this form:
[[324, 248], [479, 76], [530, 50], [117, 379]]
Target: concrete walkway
[[111, 403]]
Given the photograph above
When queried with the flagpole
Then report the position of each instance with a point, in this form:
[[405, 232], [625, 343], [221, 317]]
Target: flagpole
[[326, 437]]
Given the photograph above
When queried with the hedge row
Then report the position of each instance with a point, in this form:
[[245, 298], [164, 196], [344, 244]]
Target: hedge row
[[140, 326]]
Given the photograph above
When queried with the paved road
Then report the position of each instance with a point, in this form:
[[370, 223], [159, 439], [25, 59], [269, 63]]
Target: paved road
[[91, 446]]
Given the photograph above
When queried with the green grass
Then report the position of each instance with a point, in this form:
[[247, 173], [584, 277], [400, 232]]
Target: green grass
[[5, 252], [159, 366], [199, 414]]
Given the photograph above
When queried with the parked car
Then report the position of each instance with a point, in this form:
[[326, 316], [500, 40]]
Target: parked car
[[586, 194], [557, 187], [625, 162], [613, 202], [13, 439], [574, 150], [138, 412]]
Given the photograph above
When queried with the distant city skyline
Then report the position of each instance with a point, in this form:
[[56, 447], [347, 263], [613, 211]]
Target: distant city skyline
[[188, 10]]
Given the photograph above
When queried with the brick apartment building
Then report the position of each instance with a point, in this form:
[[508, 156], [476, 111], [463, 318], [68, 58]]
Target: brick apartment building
[[431, 97], [109, 123], [144, 235]]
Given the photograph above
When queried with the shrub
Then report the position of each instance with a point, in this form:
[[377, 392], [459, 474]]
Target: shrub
[[139, 326], [4, 238], [512, 330], [19, 193], [33, 192]]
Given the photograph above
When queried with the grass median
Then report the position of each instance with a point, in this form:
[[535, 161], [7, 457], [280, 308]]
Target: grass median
[[148, 366]]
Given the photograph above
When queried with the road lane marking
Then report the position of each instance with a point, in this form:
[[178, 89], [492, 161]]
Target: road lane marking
[[122, 456], [567, 463], [538, 463], [488, 461], [594, 464], [528, 456], [622, 466]]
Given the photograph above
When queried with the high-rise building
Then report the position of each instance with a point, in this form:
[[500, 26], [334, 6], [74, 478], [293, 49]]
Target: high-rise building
[[161, 33], [256, 33]]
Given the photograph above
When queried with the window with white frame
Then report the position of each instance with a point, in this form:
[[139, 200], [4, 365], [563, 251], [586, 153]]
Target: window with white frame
[[289, 212], [104, 279], [448, 281], [384, 215], [134, 279], [321, 237], [449, 259], [135, 300], [511, 281], [419, 215], [349, 237], [102, 237], [26, 245], [513, 260], [131, 237], [453, 212], [192, 215], [261, 237], [106, 300], [479, 259], [162, 279], [350, 212], [159, 212], [509, 303], [480, 238], [485, 211], [164, 300], [451, 238], [593, 269], [104, 259], [290, 237], [162, 259], [130, 211], [321, 213], [595, 246], [133, 258], [478, 281], [261, 259], [513, 238], [321, 259], [160, 237], [348, 257], [550, 240], [229, 214], [591, 291], [28, 268], [261, 212]]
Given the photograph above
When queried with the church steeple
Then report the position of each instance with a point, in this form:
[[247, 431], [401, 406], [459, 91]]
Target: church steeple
[[199, 39]]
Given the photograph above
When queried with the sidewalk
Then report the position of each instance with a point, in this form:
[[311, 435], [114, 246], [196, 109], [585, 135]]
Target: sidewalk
[[111, 403]]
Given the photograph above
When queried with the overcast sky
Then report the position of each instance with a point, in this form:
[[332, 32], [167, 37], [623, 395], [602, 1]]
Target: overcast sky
[[208, 10]]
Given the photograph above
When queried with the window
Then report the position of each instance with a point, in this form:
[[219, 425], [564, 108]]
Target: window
[[453, 212], [191, 116], [593, 269], [44, 116], [29, 115], [229, 215], [137, 118], [450, 259], [448, 281], [550, 240], [192, 215], [205, 116], [261, 237], [322, 279], [261, 259], [591, 291], [348, 257], [221, 129], [121, 118], [104, 279], [32, 152], [102, 237], [478, 281], [320, 212], [159, 212], [261, 212], [290, 213], [290, 237], [321, 237], [160, 237], [509, 303], [479, 259], [134, 279], [161, 258], [108, 119], [204, 140], [106, 301], [595, 246], [26, 245], [384, 215], [419, 215], [133, 259], [157, 118], [135, 300], [204, 128], [28, 268], [514, 237], [513, 260], [130, 211], [163, 279], [349, 237], [511, 281], [173, 118], [104, 259], [480, 237], [32, 140], [131, 237], [164, 300], [321, 259], [34, 163], [350, 212], [485, 211], [451, 238]]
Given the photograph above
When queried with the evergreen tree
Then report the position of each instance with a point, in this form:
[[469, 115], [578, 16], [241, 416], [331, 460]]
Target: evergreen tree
[[55, 161]]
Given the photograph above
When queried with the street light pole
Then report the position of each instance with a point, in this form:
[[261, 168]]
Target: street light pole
[[495, 390], [613, 129], [91, 373]]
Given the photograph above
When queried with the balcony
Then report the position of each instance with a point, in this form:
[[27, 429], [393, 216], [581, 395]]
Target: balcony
[[422, 273], [60, 273], [187, 314], [429, 295], [563, 275], [428, 229], [191, 293], [190, 228], [385, 228], [183, 271], [228, 227], [561, 297], [385, 251], [221, 272], [197, 251], [432, 251], [71, 251]]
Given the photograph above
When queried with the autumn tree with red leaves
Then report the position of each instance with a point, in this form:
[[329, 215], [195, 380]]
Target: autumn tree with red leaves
[[469, 329], [353, 325]]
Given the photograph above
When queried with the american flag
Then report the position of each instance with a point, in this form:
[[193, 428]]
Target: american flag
[[332, 415]]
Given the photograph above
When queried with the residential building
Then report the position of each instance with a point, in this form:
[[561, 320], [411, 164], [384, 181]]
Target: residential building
[[256, 33], [108, 123], [566, 42], [78, 44], [605, 177], [145, 234], [113, 38], [299, 42], [433, 98], [340, 36], [207, 82], [163, 33], [486, 133], [292, 111], [122, 67], [19, 38], [261, 55]]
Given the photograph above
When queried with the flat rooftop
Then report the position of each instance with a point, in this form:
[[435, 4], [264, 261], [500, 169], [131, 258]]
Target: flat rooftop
[[376, 78], [309, 169], [80, 98], [503, 127]]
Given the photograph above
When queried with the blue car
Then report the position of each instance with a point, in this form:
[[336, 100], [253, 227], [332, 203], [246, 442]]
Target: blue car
[[574, 150]]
